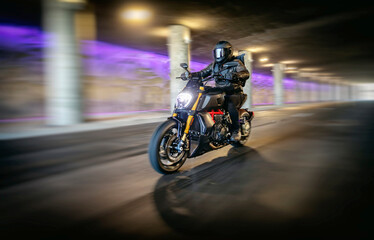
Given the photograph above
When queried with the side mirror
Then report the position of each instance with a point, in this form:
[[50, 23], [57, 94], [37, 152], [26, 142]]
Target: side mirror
[[230, 64], [184, 65]]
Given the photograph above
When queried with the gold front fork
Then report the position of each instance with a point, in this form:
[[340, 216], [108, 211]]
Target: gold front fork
[[190, 117]]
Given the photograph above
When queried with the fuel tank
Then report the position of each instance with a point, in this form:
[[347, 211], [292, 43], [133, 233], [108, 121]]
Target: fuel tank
[[211, 101]]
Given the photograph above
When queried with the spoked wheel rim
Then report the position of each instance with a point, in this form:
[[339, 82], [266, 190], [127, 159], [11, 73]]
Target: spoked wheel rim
[[170, 158]]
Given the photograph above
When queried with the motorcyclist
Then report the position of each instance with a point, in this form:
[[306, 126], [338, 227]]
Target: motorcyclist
[[231, 80]]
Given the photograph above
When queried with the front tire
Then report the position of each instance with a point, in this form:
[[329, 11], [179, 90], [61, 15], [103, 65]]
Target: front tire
[[162, 153]]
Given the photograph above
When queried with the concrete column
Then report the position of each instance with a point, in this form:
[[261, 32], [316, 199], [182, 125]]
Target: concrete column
[[346, 92], [309, 92], [350, 92], [299, 91], [353, 92], [337, 91], [324, 92], [356, 96], [348, 96], [319, 91], [248, 85], [321, 88], [312, 91], [179, 52], [278, 69], [62, 63], [342, 92], [331, 91]]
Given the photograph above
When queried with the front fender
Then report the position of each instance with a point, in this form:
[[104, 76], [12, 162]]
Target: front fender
[[180, 125]]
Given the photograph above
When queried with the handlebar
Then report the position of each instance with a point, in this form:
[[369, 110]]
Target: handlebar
[[214, 76], [207, 78]]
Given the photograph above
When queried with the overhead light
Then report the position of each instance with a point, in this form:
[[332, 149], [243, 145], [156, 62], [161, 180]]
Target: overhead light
[[73, 1], [291, 68], [323, 74], [257, 49], [195, 22], [187, 37], [136, 14], [289, 61], [159, 32], [311, 69], [264, 59], [268, 65]]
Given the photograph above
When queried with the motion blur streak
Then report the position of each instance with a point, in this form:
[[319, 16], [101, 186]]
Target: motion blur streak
[[85, 83], [305, 171], [109, 71]]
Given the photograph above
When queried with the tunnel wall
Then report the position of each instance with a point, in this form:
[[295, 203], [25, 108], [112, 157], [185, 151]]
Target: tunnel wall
[[116, 80]]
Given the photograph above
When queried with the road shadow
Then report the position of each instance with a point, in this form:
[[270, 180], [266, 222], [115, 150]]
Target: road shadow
[[218, 199]]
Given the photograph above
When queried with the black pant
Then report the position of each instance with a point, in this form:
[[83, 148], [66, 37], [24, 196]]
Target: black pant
[[230, 106], [233, 98]]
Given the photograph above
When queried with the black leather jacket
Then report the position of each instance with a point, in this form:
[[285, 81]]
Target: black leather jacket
[[237, 75]]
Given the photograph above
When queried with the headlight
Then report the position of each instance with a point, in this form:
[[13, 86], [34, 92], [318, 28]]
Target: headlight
[[183, 99]]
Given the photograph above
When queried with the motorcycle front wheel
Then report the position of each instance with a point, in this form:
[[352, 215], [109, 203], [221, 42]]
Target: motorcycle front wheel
[[162, 151]]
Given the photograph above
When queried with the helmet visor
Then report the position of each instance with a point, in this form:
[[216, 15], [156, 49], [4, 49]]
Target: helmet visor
[[219, 53]]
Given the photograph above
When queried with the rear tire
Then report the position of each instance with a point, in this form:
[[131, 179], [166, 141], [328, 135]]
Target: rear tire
[[245, 129], [162, 155]]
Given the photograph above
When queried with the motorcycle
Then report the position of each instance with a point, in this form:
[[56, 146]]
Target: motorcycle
[[199, 124]]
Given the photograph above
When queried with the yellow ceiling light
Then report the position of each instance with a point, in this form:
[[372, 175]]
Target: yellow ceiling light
[[74, 1], [264, 59], [291, 68], [159, 32], [257, 49], [136, 14], [268, 65], [325, 74], [290, 61], [195, 22], [310, 69]]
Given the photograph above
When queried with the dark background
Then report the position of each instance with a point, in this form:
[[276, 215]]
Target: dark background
[[334, 36]]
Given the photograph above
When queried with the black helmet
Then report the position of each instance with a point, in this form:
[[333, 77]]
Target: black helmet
[[222, 51]]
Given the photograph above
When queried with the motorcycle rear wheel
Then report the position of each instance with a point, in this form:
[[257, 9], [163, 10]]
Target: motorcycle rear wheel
[[163, 156], [245, 129]]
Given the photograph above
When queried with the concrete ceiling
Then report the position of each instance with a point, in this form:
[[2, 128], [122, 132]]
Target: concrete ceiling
[[334, 37]]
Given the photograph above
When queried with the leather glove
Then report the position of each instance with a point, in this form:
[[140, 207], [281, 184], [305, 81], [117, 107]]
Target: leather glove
[[195, 76], [185, 76]]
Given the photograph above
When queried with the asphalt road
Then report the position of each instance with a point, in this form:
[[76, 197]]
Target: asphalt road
[[306, 173]]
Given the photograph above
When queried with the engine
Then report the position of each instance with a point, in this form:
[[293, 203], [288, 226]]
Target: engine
[[220, 130]]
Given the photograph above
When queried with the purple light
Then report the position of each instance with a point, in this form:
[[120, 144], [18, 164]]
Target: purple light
[[262, 104], [31, 119], [108, 65], [262, 89], [20, 38], [15, 120], [124, 113]]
